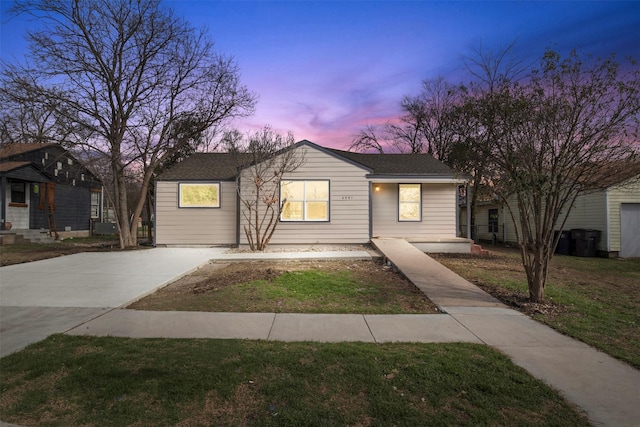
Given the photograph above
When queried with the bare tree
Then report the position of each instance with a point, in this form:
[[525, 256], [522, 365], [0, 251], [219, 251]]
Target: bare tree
[[264, 158], [367, 141], [129, 73], [569, 130], [24, 118]]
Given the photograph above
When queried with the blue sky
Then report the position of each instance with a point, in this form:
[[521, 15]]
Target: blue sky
[[325, 69]]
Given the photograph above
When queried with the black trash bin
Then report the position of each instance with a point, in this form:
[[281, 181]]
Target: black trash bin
[[585, 241], [564, 244]]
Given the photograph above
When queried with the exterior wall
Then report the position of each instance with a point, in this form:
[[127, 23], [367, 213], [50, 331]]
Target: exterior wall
[[588, 212], [73, 208], [482, 222], [629, 193], [195, 226], [438, 212], [348, 204]]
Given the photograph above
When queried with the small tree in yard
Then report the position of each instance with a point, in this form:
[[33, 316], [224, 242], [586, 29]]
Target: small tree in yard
[[570, 129], [264, 158]]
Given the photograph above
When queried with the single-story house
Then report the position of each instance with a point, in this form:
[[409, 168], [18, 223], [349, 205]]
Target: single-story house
[[613, 211], [43, 187], [356, 197]]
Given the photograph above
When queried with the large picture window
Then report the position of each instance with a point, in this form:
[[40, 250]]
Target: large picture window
[[305, 200], [199, 195], [409, 202]]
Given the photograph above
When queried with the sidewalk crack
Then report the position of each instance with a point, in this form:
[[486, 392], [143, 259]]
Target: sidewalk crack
[[364, 317], [271, 328]]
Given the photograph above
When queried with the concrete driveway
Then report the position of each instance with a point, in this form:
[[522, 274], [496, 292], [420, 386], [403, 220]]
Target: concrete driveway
[[41, 298]]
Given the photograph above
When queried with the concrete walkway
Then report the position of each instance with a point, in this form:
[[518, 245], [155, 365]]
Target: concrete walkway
[[608, 390]]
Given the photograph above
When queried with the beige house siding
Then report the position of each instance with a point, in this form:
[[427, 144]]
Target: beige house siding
[[587, 212], [195, 226], [348, 204], [438, 212], [628, 193]]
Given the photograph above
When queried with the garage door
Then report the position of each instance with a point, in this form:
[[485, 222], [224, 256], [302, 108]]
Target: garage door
[[630, 230]]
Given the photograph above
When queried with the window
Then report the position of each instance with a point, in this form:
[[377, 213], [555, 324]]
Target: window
[[409, 202], [95, 204], [305, 200], [199, 195], [18, 194], [493, 220]]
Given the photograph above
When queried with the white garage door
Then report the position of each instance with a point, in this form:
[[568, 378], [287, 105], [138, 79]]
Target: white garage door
[[630, 230]]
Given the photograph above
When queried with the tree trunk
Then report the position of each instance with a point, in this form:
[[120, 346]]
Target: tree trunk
[[535, 259]]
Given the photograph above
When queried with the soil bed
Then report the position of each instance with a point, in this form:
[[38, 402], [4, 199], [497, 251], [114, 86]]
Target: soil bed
[[344, 286]]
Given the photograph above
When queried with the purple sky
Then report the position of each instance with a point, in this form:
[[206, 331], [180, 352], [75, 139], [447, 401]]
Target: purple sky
[[325, 69]]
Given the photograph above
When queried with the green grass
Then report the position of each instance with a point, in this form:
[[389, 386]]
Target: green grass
[[70, 381], [600, 297], [364, 288]]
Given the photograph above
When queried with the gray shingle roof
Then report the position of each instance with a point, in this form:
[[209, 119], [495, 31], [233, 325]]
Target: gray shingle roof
[[204, 166], [224, 166], [399, 164]]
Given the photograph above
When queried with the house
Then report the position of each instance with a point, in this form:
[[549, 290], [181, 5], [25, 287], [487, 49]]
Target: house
[[43, 187], [614, 212], [356, 197]]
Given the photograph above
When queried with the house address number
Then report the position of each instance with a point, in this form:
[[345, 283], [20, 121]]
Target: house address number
[[347, 198]]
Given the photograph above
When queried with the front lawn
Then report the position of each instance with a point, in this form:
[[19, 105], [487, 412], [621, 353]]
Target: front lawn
[[347, 286], [595, 300], [72, 381]]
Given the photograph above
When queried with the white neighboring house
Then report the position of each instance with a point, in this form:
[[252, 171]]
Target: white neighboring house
[[614, 211], [357, 197]]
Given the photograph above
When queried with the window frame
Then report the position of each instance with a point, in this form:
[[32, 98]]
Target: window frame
[[493, 223], [304, 201], [18, 200], [183, 185], [95, 204], [419, 203]]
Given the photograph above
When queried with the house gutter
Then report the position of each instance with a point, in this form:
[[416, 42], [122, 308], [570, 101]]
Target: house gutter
[[3, 196], [238, 183], [155, 211], [370, 210], [468, 211], [607, 219]]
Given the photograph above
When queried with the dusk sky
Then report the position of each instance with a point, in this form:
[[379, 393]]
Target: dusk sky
[[325, 69]]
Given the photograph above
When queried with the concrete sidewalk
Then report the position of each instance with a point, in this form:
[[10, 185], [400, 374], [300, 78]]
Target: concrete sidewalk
[[607, 389], [278, 327], [44, 297]]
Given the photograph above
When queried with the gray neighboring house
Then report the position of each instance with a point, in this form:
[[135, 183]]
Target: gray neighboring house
[[335, 197]]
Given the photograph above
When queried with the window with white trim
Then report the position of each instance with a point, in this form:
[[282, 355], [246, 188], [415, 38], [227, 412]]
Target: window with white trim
[[305, 200], [199, 195], [409, 202]]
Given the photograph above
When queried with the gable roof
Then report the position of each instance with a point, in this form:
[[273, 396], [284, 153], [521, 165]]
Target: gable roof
[[224, 166], [10, 150]]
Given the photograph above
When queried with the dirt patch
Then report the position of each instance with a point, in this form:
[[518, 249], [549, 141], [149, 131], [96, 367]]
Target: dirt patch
[[374, 288]]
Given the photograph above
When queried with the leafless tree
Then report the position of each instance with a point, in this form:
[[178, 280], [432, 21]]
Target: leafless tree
[[264, 158], [569, 130], [131, 75]]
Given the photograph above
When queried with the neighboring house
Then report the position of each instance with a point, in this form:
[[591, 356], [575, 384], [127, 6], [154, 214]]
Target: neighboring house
[[489, 221], [357, 197], [614, 212], [43, 187]]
